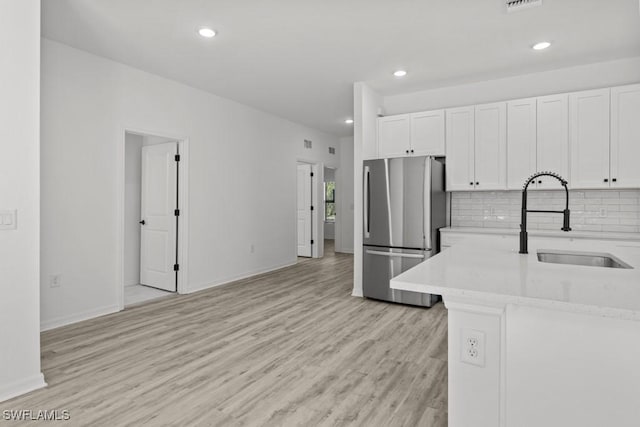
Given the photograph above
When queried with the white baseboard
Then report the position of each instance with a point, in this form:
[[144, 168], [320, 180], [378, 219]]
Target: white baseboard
[[21, 386], [204, 286], [78, 317], [357, 293], [345, 251]]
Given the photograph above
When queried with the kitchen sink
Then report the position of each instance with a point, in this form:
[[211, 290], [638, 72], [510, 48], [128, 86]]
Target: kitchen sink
[[589, 259]]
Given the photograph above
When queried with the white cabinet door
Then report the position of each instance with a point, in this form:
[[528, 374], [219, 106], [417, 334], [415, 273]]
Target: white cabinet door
[[491, 146], [589, 138], [553, 138], [427, 133], [625, 136], [394, 133], [460, 146], [521, 142]]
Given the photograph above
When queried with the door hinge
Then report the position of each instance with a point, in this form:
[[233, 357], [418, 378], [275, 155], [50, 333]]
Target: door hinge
[[176, 212], [311, 207], [312, 174], [177, 157], [312, 242], [176, 267]]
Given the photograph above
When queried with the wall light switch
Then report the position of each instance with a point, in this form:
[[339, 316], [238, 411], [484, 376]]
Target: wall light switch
[[8, 220]]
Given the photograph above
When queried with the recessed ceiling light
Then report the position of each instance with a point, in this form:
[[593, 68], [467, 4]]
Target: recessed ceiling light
[[400, 73], [206, 32], [541, 45], [348, 121]]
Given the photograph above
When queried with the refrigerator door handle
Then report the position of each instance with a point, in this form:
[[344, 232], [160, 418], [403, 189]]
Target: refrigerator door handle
[[427, 202], [394, 254], [367, 201]]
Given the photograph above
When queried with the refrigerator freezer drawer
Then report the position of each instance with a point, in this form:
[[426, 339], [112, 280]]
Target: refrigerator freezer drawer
[[383, 264]]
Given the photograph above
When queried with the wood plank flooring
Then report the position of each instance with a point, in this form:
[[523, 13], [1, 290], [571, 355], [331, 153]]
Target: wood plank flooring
[[287, 348]]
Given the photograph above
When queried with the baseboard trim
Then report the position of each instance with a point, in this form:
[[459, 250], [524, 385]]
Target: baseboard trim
[[345, 251], [205, 286], [22, 386], [78, 317]]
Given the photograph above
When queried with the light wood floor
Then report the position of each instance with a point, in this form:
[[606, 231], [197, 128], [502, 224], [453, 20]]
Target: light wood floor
[[286, 348]]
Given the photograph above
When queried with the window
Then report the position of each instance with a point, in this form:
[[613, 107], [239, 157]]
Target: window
[[329, 201]]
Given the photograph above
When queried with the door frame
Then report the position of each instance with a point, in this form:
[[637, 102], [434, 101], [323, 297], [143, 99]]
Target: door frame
[[183, 201], [317, 225]]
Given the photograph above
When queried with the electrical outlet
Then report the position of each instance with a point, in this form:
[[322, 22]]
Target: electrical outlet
[[252, 249], [8, 220], [55, 280], [472, 347]]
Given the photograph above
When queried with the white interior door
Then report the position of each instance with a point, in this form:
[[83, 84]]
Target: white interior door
[[158, 222], [304, 210]]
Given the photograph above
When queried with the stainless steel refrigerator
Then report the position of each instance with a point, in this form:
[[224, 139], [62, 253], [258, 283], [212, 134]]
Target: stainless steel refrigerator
[[404, 206]]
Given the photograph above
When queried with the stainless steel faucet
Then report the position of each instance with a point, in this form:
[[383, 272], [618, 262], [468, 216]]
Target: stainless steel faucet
[[524, 243]]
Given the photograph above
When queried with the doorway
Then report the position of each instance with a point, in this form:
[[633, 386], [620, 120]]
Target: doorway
[[152, 217], [330, 213]]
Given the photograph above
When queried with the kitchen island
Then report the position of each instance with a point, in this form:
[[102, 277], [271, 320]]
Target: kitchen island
[[533, 343]]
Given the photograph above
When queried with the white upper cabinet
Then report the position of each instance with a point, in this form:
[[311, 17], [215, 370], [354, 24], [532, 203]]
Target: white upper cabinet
[[427, 133], [521, 142], [490, 153], [552, 146], [589, 138], [394, 136], [417, 134], [625, 136], [460, 146]]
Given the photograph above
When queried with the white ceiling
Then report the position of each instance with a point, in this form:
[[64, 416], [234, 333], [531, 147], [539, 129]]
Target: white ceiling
[[298, 59]]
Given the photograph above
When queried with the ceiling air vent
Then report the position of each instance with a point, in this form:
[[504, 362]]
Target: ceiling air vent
[[517, 5]]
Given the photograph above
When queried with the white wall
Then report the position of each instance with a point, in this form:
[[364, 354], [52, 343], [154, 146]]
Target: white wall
[[345, 204], [132, 182], [242, 178], [581, 77], [366, 103], [20, 190]]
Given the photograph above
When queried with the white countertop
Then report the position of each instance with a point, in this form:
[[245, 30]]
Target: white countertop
[[604, 235], [489, 269]]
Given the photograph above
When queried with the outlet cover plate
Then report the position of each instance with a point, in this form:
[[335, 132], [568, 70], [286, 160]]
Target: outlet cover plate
[[8, 220], [472, 347]]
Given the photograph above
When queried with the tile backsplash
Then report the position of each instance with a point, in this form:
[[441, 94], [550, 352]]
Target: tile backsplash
[[591, 210]]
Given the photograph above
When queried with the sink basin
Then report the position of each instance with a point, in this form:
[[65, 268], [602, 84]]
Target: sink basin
[[589, 259]]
